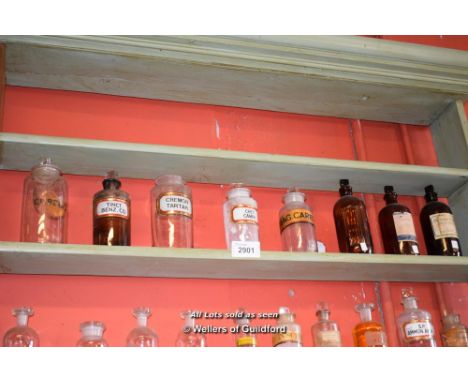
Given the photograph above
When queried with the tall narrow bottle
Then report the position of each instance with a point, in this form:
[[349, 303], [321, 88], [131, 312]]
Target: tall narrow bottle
[[243, 336], [454, 333], [187, 336], [21, 335], [397, 227], [325, 333], [438, 226], [297, 223], [415, 327], [171, 201], [368, 333], [92, 335], [44, 210], [240, 215], [142, 336], [352, 226], [111, 213], [289, 332]]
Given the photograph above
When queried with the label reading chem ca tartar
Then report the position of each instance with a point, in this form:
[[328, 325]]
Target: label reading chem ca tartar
[[244, 214], [175, 204], [112, 207]]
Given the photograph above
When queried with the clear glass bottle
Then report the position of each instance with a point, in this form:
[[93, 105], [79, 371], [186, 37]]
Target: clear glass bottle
[[240, 215], [291, 337], [111, 213], [454, 333], [368, 333], [297, 223], [243, 337], [438, 226], [21, 335], [187, 336], [415, 327], [351, 223], [92, 334], [396, 226], [325, 333], [44, 210], [171, 206], [142, 336]]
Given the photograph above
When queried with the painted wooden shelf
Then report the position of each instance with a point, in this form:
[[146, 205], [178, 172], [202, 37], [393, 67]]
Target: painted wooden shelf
[[68, 259], [93, 157], [343, 76]]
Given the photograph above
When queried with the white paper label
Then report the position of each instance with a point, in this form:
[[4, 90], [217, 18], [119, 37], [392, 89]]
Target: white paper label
[[321, 247], [175, 204], [328, 338], [375, 339], [112, 207], [443, 226], [404, 226], [245, 249], [243, 214], [419, 329]]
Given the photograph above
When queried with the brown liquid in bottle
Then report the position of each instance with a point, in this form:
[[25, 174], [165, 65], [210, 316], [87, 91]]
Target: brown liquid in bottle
[[352, 226], [111, 213], [397, 227], [438, 226]]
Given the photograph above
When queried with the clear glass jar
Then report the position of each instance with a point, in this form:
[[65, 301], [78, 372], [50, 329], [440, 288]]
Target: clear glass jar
[[187, 336], [243, 336], [44, 210], [142, 336], [325, 332], [454, 333], [415, 328], [291, 337], [240, 215], [171, 212], [21, 335], [92, 334], [297, 223]]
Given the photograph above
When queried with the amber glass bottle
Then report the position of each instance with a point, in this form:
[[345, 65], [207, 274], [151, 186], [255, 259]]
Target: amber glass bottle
[[352, 226], [397, 227], [111, 213], [368, 333], [438, 225], [454, 333]]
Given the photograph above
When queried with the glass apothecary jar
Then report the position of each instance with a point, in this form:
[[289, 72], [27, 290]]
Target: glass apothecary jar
[[92, 335], [21, 335]]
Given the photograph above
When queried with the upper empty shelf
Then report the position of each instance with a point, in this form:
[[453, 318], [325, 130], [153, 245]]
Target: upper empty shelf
[[134, 160], [342, 76]]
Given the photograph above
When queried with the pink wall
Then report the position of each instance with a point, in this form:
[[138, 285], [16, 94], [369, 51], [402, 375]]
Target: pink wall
[[61, 303]]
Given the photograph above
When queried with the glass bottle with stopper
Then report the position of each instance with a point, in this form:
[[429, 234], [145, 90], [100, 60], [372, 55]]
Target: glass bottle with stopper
[[171, 212], [111, 213], [44, 209], [92, 334], [142, 336], [243, 337], [438, 226], [351, 223], [187, 336], [454, 333], [368, 333], [325, 332], [21, 335], [415, 326], [297, 223], [288, 331], [397, 227]]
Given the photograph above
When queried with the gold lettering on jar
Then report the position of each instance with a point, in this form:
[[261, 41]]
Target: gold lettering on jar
[[174, 203], [299, 215]]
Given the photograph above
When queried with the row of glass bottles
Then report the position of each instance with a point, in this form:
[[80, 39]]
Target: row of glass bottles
[[45, 211], [415, 329]]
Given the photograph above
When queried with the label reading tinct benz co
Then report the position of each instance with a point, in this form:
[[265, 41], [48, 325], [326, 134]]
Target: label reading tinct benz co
[[173, 203], [112, 207]]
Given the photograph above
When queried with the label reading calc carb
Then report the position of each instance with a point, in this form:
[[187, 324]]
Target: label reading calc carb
[[443, 226], [175, 204], [112, 207], [404, 226], [244, 214], [421, 329]]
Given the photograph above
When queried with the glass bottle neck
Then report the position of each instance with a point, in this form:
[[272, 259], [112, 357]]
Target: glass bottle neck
[[365, 315], [323, 315], [142, 321], [391, 198], [22, 320], [346, 191], [410, 303]]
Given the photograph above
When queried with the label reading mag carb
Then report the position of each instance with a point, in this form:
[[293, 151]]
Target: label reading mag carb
[[244, 214], [443, 226], [173, 203], [404, 226], [299, 215], [419, 329], [112, 207]]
